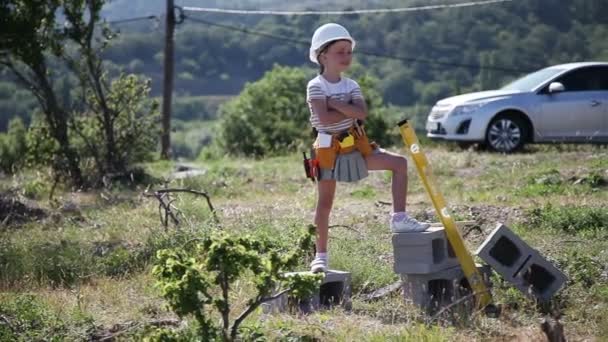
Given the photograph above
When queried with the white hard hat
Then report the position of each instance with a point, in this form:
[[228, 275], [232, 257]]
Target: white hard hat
[[325, 34]]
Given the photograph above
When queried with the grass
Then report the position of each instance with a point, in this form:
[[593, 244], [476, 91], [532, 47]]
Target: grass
[[90, 267]]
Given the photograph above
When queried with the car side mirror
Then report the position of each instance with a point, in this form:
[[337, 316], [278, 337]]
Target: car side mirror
[[556, 87]]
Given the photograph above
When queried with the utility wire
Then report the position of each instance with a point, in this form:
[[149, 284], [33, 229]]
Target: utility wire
[[346, 12], [363, 52]]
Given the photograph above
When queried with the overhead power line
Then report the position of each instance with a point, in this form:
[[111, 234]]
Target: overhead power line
[[345, 12], [362, 52]]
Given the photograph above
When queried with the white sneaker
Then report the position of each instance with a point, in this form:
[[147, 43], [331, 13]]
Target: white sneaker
[[403, 223], [318, 265]]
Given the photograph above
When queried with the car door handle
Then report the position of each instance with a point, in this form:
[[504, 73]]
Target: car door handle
[[595, 103]]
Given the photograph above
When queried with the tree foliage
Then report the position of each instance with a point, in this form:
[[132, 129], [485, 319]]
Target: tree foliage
[[90, 119], [13, 146], [28, 37]]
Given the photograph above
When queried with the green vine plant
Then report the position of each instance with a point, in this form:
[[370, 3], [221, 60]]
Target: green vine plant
[[189, 276]]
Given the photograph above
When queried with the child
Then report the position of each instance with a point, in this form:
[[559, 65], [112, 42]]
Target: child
[[336, 105]]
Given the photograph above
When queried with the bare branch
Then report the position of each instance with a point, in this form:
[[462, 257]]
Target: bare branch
[[251, 308], [195, 192], [345, 226], [167, 209]]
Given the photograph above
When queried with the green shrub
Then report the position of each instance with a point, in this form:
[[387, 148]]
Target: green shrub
[[581, 268], [13, 147], [192, 279], [25, 318], [570, 219], [41, 146], [134, 127], [60, 264]]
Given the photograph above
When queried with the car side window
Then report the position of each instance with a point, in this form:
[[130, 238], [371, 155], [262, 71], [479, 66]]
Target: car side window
[[603, 76], [585, 79]]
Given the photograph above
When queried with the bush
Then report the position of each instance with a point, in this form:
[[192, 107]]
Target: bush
[[13, 147], [25, 318], [134, 125], [135, 129], [581, 269], [192, 279], [41, 146], [570, 219]]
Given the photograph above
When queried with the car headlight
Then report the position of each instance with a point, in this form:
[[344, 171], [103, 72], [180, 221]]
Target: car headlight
[[468, 109]]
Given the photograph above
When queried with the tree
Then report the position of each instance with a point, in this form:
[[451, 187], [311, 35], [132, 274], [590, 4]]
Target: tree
[[28, 35], [108, 122], [82, 17]]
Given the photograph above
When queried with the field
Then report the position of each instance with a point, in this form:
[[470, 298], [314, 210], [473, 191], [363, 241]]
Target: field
[[83, 271]]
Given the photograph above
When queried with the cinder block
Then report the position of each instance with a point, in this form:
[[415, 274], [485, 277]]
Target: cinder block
[[422, 253], [539, 278], [436, 290], [335, 290], [504, 251], [520, 264]]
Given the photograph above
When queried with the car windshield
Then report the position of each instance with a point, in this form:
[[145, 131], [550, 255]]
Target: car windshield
[[533, 80]]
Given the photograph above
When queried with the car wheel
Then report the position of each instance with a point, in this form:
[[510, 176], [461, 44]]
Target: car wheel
[[506, 134]]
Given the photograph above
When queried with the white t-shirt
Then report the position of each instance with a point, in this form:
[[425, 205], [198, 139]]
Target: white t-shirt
[[344, 90]]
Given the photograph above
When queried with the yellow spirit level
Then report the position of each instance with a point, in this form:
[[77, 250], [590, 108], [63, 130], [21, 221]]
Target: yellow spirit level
[[426, 175]]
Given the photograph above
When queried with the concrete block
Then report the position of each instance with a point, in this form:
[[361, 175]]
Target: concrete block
[[520, 264], [422, 253], [539, 278], [436, 290], [335, 290], [433, 290], [504, 251]]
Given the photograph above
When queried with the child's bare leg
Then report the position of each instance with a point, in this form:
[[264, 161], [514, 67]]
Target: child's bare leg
[[398, 165], [326, 191], [400, 221]]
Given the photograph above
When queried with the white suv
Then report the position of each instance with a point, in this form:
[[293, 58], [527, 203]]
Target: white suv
[[562, 103]]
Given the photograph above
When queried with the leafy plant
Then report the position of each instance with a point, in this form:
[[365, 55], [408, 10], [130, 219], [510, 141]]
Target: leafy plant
[[25, 318], [581, 268], [570, 219], [13, 146], [189, 277]]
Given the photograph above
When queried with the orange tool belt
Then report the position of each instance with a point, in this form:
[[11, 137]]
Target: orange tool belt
[[354, 138]]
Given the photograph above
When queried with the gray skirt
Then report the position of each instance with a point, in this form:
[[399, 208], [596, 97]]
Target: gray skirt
[[349, 167]]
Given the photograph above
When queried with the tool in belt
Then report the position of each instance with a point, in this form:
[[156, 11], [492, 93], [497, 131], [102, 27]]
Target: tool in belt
[[347, 141]]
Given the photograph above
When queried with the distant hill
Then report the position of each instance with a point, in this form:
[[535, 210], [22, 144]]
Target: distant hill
[[437, 52]]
